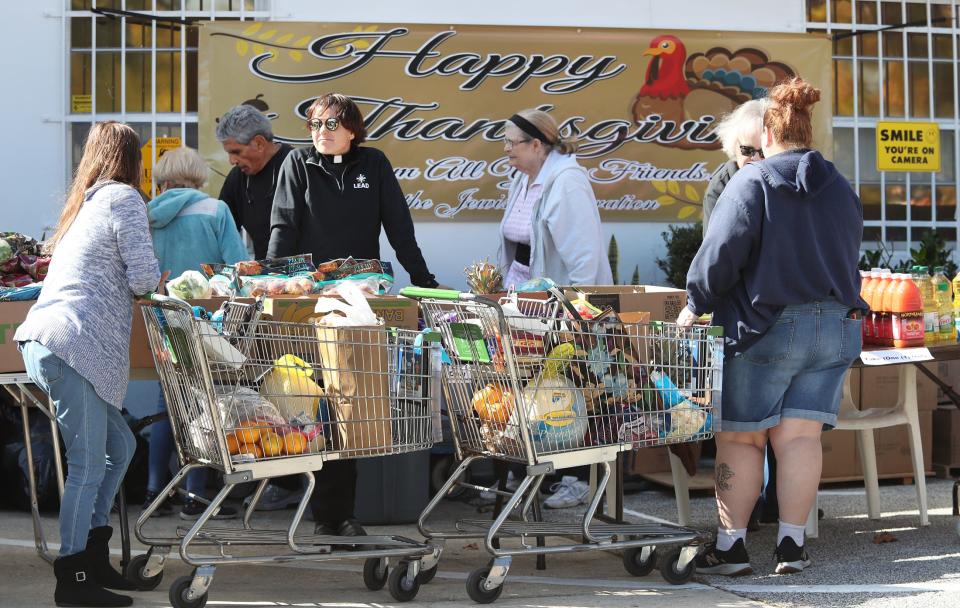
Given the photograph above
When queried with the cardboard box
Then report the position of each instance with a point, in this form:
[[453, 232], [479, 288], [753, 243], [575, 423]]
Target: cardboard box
[[948, 372], [946, 437], [12, 315], [880, 388], [839, 455], [650, 460], [396, 311], [893, 448], [663, 303]]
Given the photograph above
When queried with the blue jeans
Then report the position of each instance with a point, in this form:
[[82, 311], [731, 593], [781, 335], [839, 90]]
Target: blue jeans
[[99, 445], [161, 446], [796, 370]]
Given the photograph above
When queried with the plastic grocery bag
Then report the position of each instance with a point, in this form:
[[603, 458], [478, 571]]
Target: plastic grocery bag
[[289, 386], [355, 312], [190, 285]]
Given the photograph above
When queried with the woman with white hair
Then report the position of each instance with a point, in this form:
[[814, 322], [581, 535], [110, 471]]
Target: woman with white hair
[[739, 133], [189, 228]]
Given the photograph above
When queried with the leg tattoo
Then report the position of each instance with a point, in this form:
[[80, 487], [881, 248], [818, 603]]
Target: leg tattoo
[[724, 475]]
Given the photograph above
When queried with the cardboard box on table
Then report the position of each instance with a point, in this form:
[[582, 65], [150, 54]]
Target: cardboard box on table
[[12, 315]]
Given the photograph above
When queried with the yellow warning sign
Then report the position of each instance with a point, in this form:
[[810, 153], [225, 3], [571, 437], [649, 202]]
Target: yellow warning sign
[[80, 104], [146, 153], [908, 146]]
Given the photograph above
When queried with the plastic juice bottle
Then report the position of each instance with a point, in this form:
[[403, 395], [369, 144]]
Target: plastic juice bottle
[[867, 288], [931, 329], [883, 330], [944, 298], [907, 316]]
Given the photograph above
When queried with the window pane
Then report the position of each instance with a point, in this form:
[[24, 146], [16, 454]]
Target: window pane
[[168, 82], [871, 235], [892, 44], [893, 88], [817, 10], [869, 92], [917, 11], [890, 13], [941, 11], [843, 85], [138, 82], [946, 204], [870, 197], [942, 46], [896, 202], [80, 33], [943, 90], [917, 46], [843, 46], [867, 46], [192, 79], [108, 82], [138, 35], [866, 11], [868, 155], [896, 234], [843, 151], [841, 11], [79, 74], [947, 161], [920, 203], [919, 89]]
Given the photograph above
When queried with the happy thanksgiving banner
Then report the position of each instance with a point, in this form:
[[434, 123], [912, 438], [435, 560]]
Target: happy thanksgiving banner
[[642, 103]]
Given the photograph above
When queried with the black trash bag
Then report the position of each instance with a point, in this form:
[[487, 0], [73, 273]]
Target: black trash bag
[[14, 463]]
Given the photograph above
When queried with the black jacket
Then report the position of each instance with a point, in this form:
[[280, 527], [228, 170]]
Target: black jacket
[[337, 210], [250, 199], [717, 183]]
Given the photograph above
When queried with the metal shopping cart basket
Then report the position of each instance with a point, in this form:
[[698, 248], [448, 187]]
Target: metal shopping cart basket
[[256, 399], [532, 384]]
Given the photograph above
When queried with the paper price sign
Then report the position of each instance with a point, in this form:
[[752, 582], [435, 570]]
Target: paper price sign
[[894, 356]]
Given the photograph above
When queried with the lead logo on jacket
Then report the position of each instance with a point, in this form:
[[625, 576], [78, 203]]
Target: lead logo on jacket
[[361, 182]]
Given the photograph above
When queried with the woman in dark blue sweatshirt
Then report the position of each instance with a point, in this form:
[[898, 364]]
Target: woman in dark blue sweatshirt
[[778, 270]]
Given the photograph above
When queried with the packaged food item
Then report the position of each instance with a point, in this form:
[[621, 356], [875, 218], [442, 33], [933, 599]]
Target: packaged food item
[[190, 285], [35, 266], [16, 280], [556, 413], [291, 387]]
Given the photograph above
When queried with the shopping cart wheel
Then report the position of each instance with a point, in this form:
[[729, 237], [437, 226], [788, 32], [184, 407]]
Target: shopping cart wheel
[[476, 590], [426, 576], [635, 563], [402, 589], [375, 572], [178, 594], [669, 570], [136, 576]]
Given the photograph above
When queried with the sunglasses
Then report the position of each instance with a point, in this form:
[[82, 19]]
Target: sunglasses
[[332, 124], [513, 143], [750, 151]]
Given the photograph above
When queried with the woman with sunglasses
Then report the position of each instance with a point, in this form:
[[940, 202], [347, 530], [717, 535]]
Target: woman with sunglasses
[[739, 133], [551, 226], [332, 200], [778, 270]]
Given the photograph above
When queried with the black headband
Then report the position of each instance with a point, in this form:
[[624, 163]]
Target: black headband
[[527, 127]]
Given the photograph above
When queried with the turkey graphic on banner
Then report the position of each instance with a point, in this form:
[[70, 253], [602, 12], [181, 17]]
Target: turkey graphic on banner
[[643, 104]]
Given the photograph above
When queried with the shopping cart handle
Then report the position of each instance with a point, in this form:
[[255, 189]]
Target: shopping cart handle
[[434, 294], [156, 298]]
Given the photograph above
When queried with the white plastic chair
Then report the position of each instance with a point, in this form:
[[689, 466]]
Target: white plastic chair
[[865, 420]]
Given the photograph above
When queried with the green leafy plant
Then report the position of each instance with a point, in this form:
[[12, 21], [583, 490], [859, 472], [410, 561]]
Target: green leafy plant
[[876, 258], [932, 252], [613, 256], [683, 242]]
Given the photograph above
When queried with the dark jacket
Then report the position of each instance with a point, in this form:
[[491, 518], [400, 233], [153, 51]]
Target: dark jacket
[[785, 231], [717, 183], [337, 210], [250, 199]]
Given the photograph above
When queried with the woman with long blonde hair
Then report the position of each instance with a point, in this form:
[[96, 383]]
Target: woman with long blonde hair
[[75, 343]]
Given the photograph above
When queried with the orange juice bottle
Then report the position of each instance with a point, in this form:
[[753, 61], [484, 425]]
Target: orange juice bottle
[[883, 331], [867, 287], [906, 308]]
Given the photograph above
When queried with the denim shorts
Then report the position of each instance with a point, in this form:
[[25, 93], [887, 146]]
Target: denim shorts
[[796, 370]]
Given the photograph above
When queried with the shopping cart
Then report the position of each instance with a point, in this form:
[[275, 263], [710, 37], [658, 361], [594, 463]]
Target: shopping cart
[[531, 384], [255, 400]]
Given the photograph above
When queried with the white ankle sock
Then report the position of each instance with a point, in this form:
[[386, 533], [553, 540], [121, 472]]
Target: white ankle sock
[[794, 532], [726, 538]]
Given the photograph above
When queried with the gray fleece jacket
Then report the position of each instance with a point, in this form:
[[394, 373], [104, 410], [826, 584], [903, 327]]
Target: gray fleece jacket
[[566, 242], [85, 310]]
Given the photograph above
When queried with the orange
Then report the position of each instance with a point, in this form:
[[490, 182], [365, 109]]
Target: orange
[[233, 444], [493, 404], [252, 449], [295, 442], [271, 443], [249, 433]]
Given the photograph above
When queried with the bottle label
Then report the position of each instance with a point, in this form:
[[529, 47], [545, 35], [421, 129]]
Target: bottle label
[[908, 326], [946, 323], [930, 322]]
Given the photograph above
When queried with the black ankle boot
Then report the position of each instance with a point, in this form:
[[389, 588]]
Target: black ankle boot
[[98, 554], [77, 587]]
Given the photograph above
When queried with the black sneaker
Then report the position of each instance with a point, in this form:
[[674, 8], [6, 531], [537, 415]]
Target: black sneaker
[[163, 510], [351, 527], [790, 557], [193, 509], [733, 562], [324, 530]]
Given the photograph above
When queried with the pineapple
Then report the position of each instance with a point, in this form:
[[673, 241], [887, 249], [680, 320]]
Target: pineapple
[[484, 277]]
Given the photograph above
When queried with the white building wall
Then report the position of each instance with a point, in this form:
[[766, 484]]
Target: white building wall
[[35, 176], [32, 164]]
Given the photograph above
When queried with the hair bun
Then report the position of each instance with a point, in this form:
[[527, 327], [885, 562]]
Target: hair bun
[[795, 93]]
